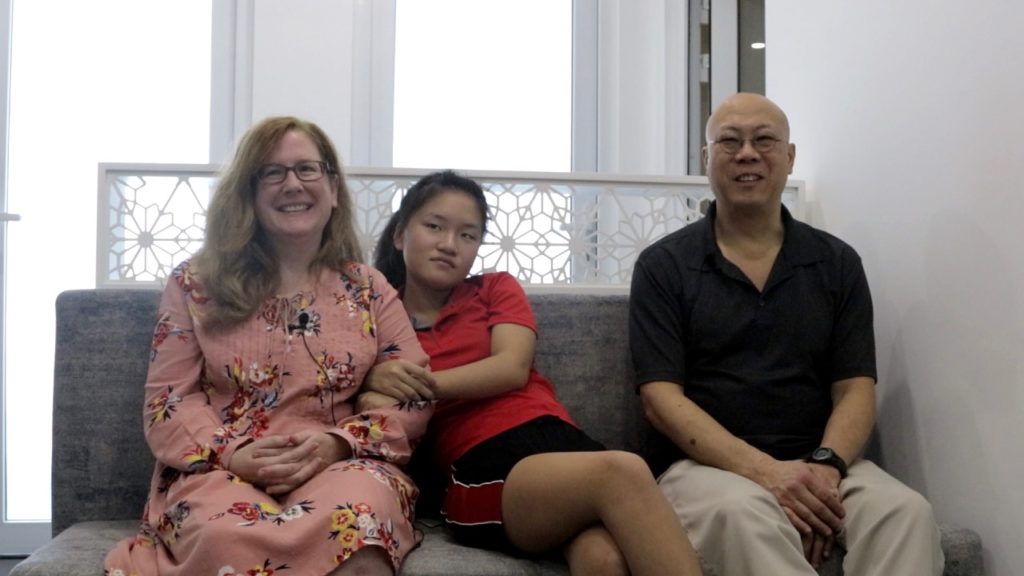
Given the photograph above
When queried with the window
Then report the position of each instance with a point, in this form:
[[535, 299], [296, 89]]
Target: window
[[509, 85], [727, 55], [483, 85], [118, 80]]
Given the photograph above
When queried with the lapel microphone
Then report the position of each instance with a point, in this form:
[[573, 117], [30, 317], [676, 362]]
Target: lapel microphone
[[303, 323]]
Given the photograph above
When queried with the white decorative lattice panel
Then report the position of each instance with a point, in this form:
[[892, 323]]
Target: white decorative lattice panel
[[546, 229], [150, 219]]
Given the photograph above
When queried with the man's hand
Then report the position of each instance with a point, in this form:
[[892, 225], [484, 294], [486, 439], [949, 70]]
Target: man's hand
[[821, 546], [829, 475], [280, 464], [810, 500], [401, 380], [817, 548]]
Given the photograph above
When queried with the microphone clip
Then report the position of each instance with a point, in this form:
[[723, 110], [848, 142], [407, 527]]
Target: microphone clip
[[303, 324]]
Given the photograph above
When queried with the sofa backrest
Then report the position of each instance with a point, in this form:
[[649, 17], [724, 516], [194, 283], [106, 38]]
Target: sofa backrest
[[584, 350], [102, 465]]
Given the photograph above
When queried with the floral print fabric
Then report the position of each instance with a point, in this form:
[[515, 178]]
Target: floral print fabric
[[294, 366]]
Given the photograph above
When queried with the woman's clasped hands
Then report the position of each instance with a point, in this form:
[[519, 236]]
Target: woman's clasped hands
[[283, 462]]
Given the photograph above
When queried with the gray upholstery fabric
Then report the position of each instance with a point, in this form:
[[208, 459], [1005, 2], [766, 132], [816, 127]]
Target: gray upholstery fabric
[[78, 550], [99, 453], [102, 466]]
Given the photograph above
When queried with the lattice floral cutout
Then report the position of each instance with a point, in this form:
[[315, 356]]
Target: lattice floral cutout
[[545, 229]]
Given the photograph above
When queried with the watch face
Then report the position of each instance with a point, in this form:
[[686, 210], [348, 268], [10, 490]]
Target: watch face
[[822, 454]]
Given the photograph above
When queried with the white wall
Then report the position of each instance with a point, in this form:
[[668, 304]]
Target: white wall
[[909, 123]]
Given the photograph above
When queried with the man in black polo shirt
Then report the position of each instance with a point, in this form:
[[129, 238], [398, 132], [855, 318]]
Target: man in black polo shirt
[[753, 343]]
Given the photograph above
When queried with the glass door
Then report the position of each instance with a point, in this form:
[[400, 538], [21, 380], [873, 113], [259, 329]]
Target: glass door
[[88, 82]]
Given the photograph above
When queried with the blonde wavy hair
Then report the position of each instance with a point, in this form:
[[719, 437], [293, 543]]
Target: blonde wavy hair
[[235, 264]]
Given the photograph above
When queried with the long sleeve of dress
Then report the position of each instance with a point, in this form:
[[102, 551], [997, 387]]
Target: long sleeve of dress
[[391, 433], [183, 430]]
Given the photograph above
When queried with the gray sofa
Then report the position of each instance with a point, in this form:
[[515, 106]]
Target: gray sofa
[[102, 466]]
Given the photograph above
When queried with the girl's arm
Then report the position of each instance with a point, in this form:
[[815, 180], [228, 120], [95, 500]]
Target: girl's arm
[[506, 369]]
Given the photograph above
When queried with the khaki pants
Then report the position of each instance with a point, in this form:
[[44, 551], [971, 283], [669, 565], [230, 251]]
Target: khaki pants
[[738, 527]]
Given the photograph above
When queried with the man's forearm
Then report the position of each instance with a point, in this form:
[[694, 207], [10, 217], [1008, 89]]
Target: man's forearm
[[699, 435], [852, 419]]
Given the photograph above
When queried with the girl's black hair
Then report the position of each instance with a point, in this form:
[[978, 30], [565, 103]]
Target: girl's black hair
[[389, 259]]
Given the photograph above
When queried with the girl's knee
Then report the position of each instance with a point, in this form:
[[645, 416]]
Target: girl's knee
[[620, 477], [627, 466]]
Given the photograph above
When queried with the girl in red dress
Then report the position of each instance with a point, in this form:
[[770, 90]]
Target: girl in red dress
[[521, 476]]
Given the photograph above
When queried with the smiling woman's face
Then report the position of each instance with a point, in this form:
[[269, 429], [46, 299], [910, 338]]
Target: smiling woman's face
[[294, 211]]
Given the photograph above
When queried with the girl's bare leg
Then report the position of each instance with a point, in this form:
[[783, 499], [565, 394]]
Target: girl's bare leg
[[550, 499], [594, 553]]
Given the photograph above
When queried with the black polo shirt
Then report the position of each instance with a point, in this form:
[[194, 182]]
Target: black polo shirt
[[760, 363]]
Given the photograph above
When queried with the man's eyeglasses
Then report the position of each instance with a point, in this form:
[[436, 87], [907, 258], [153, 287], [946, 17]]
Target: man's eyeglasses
[[732, 145], [309, 171]]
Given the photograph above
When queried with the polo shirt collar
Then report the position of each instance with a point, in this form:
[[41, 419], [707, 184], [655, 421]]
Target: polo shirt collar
[[799, 246], [462, 294]]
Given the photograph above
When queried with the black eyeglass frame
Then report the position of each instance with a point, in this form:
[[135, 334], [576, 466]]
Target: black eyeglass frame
[[323, 168], [732, 145]]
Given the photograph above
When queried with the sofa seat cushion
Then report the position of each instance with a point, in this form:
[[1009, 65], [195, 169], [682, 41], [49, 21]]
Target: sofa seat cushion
[[440, 555], [79, 551]]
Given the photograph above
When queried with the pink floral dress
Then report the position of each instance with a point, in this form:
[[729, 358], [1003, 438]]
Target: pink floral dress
[[294, 366]]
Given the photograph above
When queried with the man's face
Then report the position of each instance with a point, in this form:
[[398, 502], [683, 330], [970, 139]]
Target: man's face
[[748, 157]]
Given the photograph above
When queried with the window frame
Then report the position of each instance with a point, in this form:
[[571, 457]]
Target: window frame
[[18, 537]]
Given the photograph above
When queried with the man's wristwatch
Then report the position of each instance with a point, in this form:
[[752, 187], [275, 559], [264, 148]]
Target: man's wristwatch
[[828, 457]]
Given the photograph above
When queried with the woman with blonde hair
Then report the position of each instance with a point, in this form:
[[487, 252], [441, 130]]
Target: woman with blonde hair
[[262, 342]]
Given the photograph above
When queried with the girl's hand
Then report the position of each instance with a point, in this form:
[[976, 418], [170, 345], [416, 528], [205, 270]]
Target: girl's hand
[[373, 401], [401, 380]]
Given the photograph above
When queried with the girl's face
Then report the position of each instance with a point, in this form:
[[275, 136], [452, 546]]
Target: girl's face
[[440, 242]]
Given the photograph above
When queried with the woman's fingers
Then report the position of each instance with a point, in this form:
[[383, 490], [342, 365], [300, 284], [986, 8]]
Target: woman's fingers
[[299, 477]]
